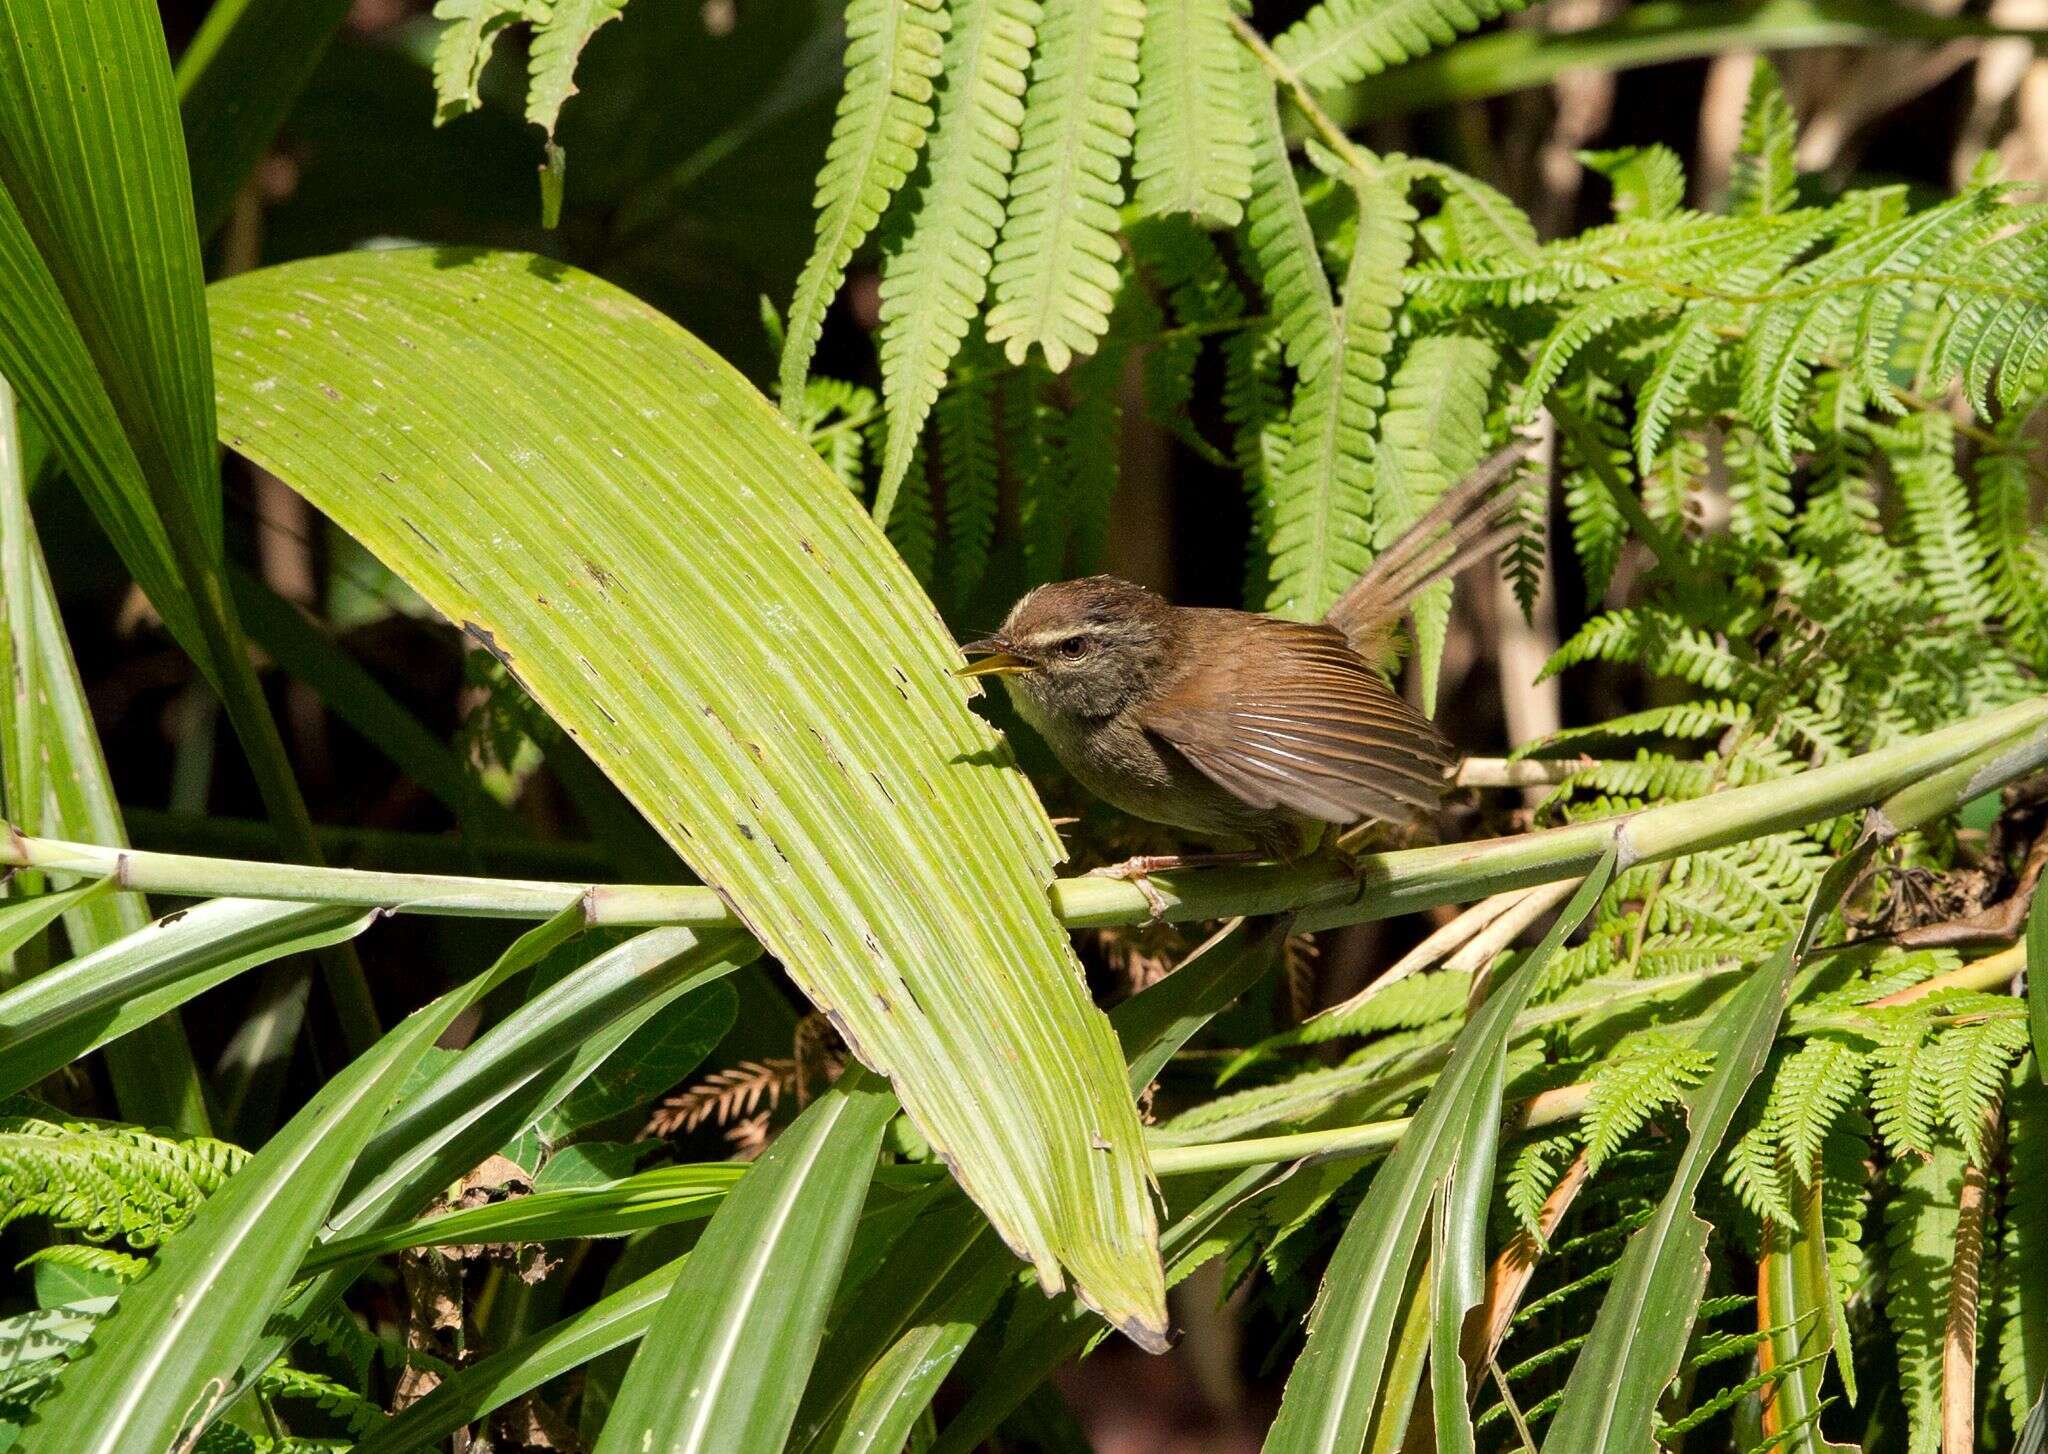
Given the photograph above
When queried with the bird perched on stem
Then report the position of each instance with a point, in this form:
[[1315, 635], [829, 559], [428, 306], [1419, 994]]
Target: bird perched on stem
[[1238, 727]]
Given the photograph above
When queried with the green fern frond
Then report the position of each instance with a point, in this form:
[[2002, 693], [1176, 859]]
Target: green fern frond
[[1034, 433], [1255, 406], [1608, 309], [338, 1401], [1094, 433], [1647, 1073], [1477, 223], [1342, 41], [1432, 434], [1903, 1090], [464, 46], [1599, 529], [1056, 267], [558, 42], [1180, 261], [1950, 556], [1194, 141], [1648, 181], [1995, 321], [1851, 297], [893, 50], [966, 423], [2017, 546], [1759, 492], [1970, 1063], [1407, 1004], [912, 527], [101, 1179], [1764, 179], [836, 419], [86, 1257], [1283, 245], [1920, 1230], [1664, 644], [1323, 507], [1810, 1093], [1534, 1174], [934, 282]]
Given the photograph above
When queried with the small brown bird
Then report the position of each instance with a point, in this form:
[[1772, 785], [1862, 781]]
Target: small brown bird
[[1237, 727]]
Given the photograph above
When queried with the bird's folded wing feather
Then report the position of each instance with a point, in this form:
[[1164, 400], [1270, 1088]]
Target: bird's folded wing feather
[[1302, 723]]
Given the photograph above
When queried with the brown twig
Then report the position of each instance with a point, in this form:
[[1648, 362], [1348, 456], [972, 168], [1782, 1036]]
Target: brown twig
[[1959, 1343]]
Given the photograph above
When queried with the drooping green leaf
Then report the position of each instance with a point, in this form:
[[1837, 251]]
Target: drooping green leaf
[[823, 836], [106, 339], [724, 1364]]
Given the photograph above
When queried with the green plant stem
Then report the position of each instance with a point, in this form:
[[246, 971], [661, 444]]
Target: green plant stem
[[1304, 100], [1327, 891], [1566, 1103]]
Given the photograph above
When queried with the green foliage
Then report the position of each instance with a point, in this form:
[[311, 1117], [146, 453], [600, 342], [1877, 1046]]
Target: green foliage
[[1920, 1232], [103, 1180], [892, 56], [561, 28]]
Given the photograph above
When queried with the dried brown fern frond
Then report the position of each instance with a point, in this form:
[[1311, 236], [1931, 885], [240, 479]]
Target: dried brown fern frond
[[724, 1097]]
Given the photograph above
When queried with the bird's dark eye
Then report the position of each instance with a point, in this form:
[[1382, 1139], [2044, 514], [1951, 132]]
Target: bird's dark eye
[[1075, 647]]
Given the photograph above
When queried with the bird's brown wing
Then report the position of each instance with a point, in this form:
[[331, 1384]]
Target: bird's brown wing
[[1296, 720]]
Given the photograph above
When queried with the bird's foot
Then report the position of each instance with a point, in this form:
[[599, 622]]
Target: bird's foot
[[1138, 872]]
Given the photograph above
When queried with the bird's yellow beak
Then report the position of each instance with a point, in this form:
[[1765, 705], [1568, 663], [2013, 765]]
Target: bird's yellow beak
[[995, 660]]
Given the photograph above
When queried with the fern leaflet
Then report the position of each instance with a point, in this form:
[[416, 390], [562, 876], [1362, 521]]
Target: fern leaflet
[[893, 50], [1056, 267], [1194, 140]]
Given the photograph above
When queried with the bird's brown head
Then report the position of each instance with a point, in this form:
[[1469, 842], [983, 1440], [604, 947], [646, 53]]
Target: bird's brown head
[[1086, 648]]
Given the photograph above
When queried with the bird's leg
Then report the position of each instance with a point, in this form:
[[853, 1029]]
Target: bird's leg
[[1138, 871]]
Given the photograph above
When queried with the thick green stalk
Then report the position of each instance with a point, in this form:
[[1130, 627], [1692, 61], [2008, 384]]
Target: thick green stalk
[[1326, 891]]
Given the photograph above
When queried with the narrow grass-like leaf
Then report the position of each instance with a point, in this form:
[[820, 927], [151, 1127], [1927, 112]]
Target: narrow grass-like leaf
[[237, 79], [1795, 1305], [22, 919], [156, 1370], [657, 1198], [97, 998], [53, 778], [1336, 1386], [1640, 1332], [108, 346], [725, 1362], [819, 765]]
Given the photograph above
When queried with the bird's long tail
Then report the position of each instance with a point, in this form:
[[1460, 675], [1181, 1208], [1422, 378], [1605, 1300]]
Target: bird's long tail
[[1473, 518]]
